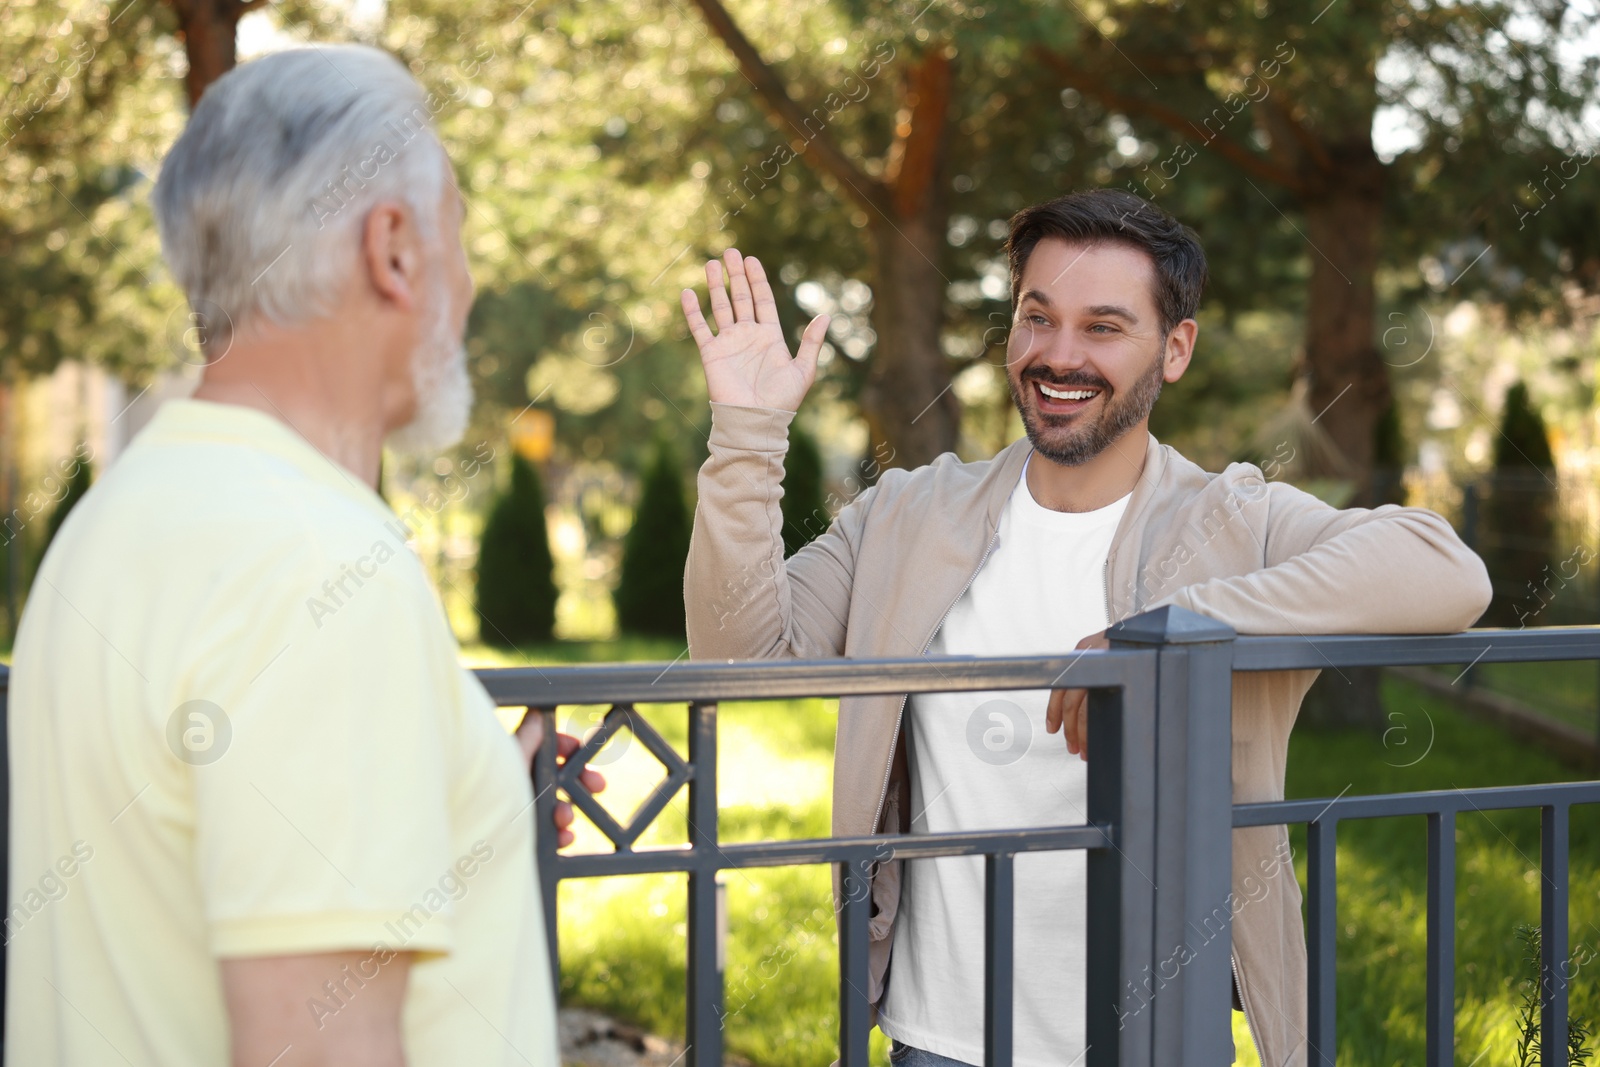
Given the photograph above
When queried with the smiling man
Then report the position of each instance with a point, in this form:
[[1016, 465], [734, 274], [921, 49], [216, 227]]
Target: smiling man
[[1085, 520]]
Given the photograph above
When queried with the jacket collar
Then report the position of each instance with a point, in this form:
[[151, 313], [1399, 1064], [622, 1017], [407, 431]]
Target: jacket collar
[[1006, 471]]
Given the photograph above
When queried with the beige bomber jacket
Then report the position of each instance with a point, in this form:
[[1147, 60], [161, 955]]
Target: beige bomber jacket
[[1263, 557]]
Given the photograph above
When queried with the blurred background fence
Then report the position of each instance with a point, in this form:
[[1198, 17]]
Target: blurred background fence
[[1539, 534]]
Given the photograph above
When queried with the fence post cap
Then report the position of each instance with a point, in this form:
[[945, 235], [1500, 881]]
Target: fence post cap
[[1169, 625]]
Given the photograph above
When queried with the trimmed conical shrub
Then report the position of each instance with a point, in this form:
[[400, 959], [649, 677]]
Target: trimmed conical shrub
[[1519, 515], [516, 593], [805, 515], [649, 595], [77, 486], [1388, 458]]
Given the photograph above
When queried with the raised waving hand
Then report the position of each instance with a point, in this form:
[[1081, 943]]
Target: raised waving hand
[[747, 361]]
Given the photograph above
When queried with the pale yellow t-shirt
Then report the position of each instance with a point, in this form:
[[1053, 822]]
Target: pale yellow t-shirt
[[238, 727]]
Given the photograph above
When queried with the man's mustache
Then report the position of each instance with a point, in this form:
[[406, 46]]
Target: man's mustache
[[1077, 378]]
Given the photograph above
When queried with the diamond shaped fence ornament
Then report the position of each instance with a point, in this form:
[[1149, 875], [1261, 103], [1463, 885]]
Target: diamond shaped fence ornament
[[568, 777]]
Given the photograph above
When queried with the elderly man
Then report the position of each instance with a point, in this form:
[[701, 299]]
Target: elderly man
[[243, 829]]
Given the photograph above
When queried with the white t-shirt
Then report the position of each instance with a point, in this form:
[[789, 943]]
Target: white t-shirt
[[982, 761]]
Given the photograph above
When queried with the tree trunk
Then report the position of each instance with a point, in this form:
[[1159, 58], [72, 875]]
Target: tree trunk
[[1349, 381], [1350, 389], [911, 413], [209, 29], [1349, 698]]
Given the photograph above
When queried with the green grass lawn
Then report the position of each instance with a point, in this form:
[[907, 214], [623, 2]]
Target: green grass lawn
[[1568, 691], [623, 939]]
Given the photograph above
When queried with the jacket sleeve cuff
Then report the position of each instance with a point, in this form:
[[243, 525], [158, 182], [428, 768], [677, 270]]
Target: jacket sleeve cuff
[[749, 429]]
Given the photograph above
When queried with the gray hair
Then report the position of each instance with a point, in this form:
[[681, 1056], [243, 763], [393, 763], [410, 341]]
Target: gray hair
[[261, 200]]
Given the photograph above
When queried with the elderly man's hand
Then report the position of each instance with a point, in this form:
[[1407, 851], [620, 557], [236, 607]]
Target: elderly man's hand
[[1070, 707], [530, 735]]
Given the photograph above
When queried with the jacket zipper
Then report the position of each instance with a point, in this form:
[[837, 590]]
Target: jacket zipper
[[1105, 585], [1248, 1025], [888, 770]]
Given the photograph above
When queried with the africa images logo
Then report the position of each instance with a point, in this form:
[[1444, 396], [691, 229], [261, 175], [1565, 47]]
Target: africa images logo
[[198, 732], [999, 733]]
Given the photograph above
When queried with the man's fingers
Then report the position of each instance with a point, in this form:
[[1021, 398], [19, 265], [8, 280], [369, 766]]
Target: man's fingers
[[761, 291], [816, 332], [1079, 742], [696, 319], [744, 309], [1052, 711], [721, 310], [563, 820], [593, 781], [566, 744]]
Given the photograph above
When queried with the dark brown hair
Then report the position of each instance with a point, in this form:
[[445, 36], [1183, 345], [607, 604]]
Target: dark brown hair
[[1101, 216]]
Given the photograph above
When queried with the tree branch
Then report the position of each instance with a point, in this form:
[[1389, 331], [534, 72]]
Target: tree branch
[[1302, 136], [862, 187], [1230, 149], [916, 157]]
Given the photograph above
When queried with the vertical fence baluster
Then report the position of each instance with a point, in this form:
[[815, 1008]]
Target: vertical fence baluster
[[1553, 966], [1441, 1010], [544, 806], [855, 1023], [998, 957], [1121, 890], [1322, 927], [704, 1030]]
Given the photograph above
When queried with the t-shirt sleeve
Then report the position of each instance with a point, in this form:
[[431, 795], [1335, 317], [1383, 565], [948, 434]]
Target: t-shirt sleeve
[[321, 807]]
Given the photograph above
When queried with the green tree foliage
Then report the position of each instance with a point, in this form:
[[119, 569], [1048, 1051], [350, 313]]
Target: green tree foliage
[[649, 595], [85, 112], [805, 513], [606, 149], [516, 593], [1285, 100], [1519, 513]]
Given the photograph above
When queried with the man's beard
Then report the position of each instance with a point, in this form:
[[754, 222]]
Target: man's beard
[[1072, 441], [443, 387]]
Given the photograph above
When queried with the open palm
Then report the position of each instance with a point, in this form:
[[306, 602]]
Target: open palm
[[747, 361]]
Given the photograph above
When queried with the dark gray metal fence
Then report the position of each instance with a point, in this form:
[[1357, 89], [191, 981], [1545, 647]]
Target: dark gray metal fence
[[1158, 835]]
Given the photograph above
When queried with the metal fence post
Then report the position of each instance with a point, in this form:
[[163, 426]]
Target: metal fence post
[[707, 900], [1120, 879], [544, 839], [1191, 1000]]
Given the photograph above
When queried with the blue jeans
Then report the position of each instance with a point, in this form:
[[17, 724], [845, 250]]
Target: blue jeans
[[906, 1056]]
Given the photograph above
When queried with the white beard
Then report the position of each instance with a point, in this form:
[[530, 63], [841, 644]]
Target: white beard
[[444, 391]]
